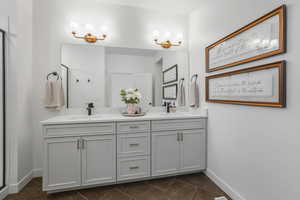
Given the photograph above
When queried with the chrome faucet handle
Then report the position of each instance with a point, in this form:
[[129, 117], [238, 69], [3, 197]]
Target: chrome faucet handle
[[90, 105]]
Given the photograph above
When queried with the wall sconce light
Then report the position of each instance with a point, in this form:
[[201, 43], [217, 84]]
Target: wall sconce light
[[88, 37], [167, 43]]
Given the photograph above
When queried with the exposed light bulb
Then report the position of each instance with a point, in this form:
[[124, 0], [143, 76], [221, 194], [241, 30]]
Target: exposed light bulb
[[180, 36], [104, 29], [156, 34], [89, 27], [168, 35], [74, 26]]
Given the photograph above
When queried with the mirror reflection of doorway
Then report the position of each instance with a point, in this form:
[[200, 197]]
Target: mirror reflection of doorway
[[141, 81], [2, 109]]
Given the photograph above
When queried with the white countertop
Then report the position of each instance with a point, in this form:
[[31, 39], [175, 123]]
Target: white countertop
[[74, 119]]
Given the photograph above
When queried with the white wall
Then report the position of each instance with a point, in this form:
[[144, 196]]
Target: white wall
[[8, 23], [127, 27], [19, 87], [24, 75], [254, 150]]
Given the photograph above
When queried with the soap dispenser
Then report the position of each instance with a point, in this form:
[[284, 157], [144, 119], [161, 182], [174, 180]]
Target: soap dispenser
[[173, 107]]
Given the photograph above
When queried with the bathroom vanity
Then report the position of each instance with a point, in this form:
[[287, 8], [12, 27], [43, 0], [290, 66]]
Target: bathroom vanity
[[82, 151]]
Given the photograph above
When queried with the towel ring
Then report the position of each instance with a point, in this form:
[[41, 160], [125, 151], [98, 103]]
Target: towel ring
[[194, 76], [54, 74], [181, 81]]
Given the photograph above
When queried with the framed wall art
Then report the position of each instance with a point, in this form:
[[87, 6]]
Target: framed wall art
[[170, 92], [261, 38], [170, 75], [258, 86]]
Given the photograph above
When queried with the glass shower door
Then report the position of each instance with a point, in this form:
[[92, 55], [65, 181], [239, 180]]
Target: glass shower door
[[2, 109]]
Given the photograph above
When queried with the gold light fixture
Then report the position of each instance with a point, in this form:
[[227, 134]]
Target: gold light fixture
[[90, 38], [167, 43]]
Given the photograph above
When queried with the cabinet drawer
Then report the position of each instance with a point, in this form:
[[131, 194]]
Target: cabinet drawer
[[165, 125], [133, 127], [78, 129], [133, 144], [133, 168]]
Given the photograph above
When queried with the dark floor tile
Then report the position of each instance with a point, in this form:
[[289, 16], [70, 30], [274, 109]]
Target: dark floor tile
[[154, 194], [134, 190], [188, 187], [95, 193], [202, 182], [203, 195], [64, 196], [115, 195], [162, 184]]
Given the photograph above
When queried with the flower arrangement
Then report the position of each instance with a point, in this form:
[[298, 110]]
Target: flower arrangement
[[131, 96]]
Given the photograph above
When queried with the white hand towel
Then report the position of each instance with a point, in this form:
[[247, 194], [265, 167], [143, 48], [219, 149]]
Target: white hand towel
[[181, 94], [194, 94], [54, 95]]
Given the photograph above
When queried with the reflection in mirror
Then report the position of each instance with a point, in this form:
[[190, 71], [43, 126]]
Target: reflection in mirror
[[97, 74]]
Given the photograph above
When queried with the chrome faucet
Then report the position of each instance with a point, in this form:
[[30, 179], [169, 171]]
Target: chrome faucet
[[90, 108]]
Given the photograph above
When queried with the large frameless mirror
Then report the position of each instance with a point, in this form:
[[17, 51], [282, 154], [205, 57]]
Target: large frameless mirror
[[97, 74]]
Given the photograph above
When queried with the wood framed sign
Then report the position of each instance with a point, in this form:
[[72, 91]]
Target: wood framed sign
[[170, 75], [261, 38], [170, 92], [258, 86]]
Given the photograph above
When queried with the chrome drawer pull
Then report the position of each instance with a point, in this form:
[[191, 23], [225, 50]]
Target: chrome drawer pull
[[134, 127], [82, 143], [136, 144], [78, 145], [134, 167]]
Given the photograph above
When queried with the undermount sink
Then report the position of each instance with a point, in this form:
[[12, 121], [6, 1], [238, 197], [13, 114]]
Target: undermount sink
[[95, 116], [83, 117], [77, 117], [172, 114]]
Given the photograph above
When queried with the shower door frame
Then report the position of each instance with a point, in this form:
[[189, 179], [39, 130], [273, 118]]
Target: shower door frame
[[2, 32]]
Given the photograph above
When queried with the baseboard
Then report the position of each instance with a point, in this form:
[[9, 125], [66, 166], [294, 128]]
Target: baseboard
[[37, 173], [224, 186], [15, 188], [3, 193]]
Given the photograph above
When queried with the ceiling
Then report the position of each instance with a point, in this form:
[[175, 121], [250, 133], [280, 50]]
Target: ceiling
[[174, 6]]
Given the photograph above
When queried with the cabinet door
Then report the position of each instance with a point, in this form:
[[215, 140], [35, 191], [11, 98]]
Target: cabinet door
[[98, 159], [165, 153], [62, 164], [193, 150]]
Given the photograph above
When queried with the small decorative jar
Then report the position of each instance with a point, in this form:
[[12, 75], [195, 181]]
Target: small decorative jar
[[131, 108]]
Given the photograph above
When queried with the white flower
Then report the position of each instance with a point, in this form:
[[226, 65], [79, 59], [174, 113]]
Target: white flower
[[138, 95], [130, 90]]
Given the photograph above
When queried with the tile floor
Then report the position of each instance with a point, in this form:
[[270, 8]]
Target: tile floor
[[187, 187]]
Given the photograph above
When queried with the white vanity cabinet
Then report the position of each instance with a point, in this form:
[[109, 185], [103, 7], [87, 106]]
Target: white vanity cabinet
[[178, 146], [94, 153], [77, 156], [133, 150]]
